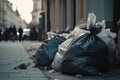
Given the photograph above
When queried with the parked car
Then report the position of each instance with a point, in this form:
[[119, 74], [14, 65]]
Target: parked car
[[26, 34]]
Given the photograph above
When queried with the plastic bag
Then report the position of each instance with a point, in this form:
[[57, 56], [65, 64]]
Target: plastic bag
[[102, 24], [56, 64], [51, 35], [78, 32], [46, 52], [86, 55], [91, 20], [66, 35], [106, 35]]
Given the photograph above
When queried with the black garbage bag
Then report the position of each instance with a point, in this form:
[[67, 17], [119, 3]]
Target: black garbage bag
[[86, 55], [46, 52]]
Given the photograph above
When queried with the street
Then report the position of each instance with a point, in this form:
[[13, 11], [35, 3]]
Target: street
[[90, 50], [12, 54]]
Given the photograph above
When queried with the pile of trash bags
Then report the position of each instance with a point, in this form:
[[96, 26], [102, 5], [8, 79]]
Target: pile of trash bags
[[46, 52], [84, 51]]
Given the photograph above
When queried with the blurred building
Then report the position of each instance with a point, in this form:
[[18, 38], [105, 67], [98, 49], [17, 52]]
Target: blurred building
[[64, 15], [3, 13], [24, 24], [36, 14], [19, 21], [8, 17], [11, 16]]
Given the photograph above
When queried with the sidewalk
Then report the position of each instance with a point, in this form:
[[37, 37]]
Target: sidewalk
[[31, 47], [12, 54]]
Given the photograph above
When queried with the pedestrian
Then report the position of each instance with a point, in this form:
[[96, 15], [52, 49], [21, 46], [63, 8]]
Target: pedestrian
[[14, 32], [0, 34], [20, 30], [33, 34], [10, 32], [5, 34]]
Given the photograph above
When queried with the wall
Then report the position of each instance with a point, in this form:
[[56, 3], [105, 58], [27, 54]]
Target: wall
[[102, 8]]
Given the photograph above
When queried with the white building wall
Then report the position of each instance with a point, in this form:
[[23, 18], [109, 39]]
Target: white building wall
[[36, 14], [1, 13], [5, 13], [8, 14], [11, 20]]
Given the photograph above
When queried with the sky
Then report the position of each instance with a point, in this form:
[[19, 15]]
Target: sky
[[24, 7]]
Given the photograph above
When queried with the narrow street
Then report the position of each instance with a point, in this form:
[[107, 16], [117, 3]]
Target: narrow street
[[80, 40], [12, 54]]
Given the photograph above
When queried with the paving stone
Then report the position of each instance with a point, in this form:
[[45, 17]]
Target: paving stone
[[26, 76], [59, 76], [34, 72], [9, 68], [12, 55], [4, 79], [39, 79], [4, 63], [14, 78], [4, 75], [9, 71]]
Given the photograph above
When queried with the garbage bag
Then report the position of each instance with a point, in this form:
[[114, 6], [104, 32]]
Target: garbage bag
[[86, 55], [91, 20], [51, 34], [106, 35], [46, 52], [78, 32], [109, 38], [56, 64]]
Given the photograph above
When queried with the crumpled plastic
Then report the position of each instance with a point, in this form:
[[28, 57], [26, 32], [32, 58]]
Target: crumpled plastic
[[91, 20], [56, 64]]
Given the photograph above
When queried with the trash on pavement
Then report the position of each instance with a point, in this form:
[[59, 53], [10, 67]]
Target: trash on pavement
[[46, 52], [85, 51], [56, 64], [22, 66], [88, 54]]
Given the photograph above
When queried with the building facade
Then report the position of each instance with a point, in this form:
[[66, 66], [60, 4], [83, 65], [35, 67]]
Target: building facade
[[8, 17], [24, 24], [3, 13], [64, 15], [102, 9], [18, 21], [36, 14], [11, 16]]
